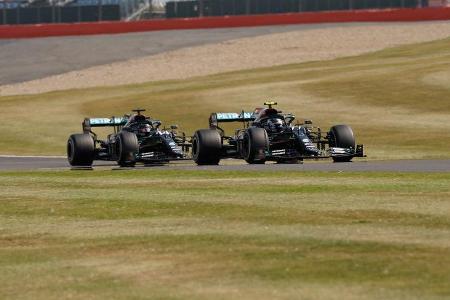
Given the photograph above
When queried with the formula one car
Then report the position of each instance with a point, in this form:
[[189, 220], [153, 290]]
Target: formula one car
[[270, 135], [136, 138]]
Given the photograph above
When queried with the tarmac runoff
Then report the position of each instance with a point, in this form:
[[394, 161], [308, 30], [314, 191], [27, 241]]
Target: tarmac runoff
[[28, 59], [17, 163]]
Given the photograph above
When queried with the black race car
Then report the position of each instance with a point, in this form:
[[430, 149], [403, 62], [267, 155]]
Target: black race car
[[136, 138], [270, 135]]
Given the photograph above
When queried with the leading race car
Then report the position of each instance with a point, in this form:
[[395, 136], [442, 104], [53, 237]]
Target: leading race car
[[270, 135], [136, 138]]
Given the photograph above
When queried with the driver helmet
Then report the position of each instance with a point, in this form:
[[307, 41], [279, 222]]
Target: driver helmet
[[275, 125], [145, 129]]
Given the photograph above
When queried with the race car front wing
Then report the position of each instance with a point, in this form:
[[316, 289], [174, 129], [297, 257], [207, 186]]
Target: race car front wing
[[329, 153]]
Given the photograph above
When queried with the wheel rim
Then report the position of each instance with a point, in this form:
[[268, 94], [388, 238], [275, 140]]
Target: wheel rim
[[119, 149], [246, 146], [195, 147], [332, 141], [70, 150]]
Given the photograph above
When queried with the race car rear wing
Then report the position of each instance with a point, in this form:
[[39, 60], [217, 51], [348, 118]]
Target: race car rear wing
[[217, 118], [88, 123]]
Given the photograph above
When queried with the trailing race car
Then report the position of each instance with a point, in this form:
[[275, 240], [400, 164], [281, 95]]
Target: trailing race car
[[136, 138], [270, 135]]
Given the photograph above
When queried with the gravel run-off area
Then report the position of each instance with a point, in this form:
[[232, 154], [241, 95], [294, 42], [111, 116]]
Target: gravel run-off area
[[239, 54]]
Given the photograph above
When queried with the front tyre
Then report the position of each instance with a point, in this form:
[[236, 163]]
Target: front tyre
[[341, 136], [80, 150], [127, 147], [254, 145], [206, 147]]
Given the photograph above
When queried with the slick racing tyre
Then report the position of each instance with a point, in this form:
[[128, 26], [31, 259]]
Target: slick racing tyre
[[206, 147], [80, 150], [254, 145], [341, 136], [127, 147]]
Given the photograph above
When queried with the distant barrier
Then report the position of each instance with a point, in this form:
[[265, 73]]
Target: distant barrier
[[391, 15], [209, 8], [20, 12], [59, 14]]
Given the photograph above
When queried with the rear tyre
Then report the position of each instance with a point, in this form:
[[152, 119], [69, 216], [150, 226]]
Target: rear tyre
[[342, 136], [80, 150], [254, 145], [206, 147], [127, 148]]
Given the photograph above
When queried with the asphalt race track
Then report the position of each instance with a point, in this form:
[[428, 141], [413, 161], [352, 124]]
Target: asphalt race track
[[28, 59], [10, 163]]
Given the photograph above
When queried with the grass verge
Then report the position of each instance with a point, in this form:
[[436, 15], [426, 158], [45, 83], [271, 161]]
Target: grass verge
[[171, 234]]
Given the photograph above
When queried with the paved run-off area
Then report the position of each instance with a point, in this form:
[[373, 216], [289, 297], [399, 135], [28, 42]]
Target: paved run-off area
[[28, 59], [80, 62]]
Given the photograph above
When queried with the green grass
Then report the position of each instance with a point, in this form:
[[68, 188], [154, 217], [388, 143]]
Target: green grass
[[396, 100], [171, 234]]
